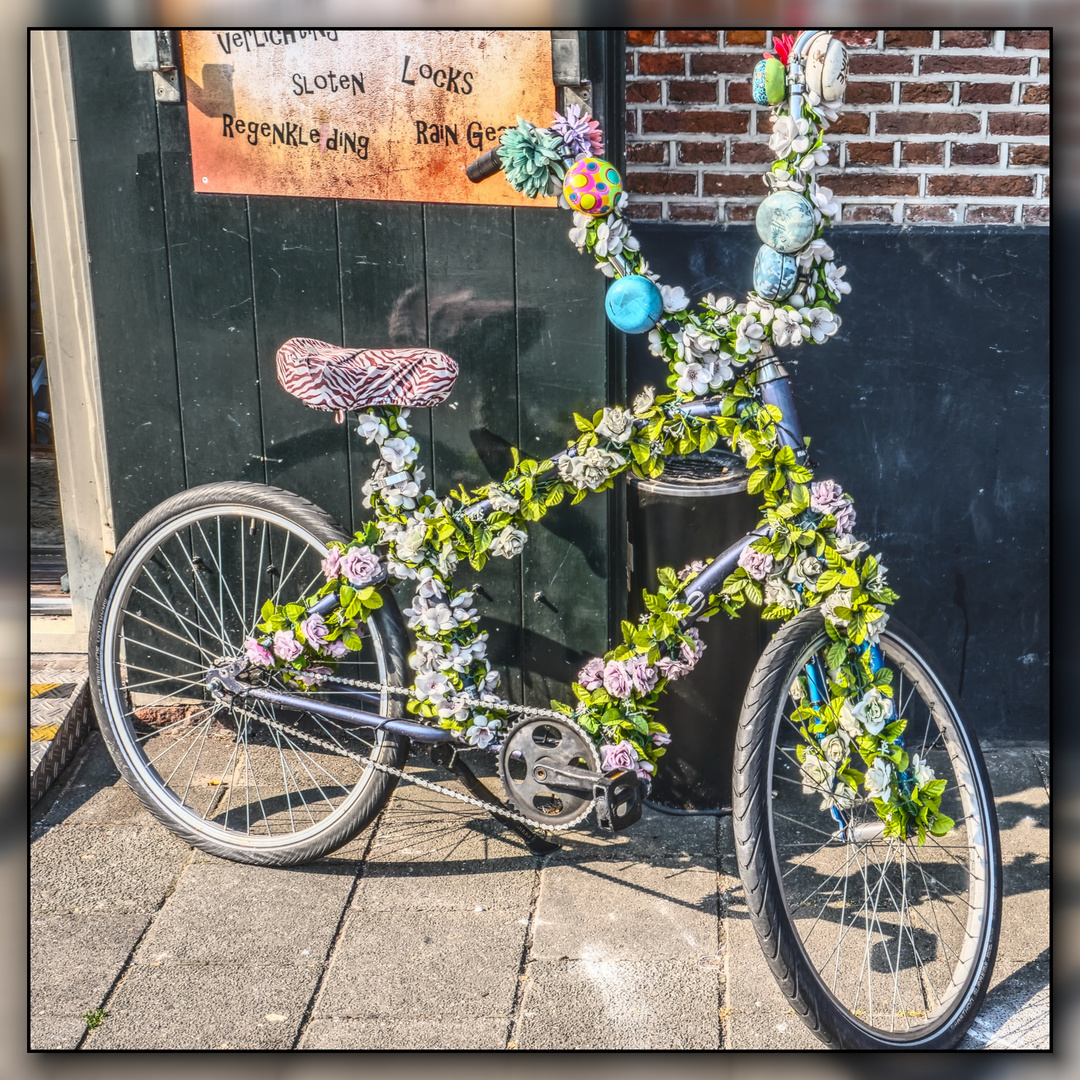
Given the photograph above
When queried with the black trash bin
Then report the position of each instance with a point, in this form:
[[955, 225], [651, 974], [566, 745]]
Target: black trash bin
[[695, 509]]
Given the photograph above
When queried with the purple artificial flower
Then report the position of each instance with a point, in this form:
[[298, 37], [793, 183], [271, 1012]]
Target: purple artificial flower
[[591, 676], [286, 645], [331, 565], [258, 654], [336, 649], [845, 518], [641, 675], [617, 679], [661, 738], [620, 755], [579, 132], [691, 569], [316, 674], [825, 496], [315, 630], [756, 563], [360, 565]]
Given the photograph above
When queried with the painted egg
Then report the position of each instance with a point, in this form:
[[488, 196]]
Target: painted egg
[[592, 186], [768, 83], [633, 304], [826, 67], [785, 221], [775, 274]]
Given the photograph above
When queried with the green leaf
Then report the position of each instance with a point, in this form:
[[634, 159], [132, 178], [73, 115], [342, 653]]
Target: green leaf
[[353, 641], [267, 610], [941, 825]]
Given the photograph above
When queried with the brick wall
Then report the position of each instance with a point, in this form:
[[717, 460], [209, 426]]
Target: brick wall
[[938, 127]]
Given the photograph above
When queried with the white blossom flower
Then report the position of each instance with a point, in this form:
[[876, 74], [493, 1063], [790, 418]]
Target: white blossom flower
[[824, 204], [789, 135], [878, 778], [824, 110], [719, 371], [617, 425], [433, 619], [462, 612], [405, 494], [675, 299], [655, 345], [788, 327], [823, 323], [399, 453], [644, 401], [693, 378], [509, 542], [371, 427], [722, 306], [818, 775], [483, 731], [920, 771], [410, 542], [782, 180], [834, 275], [814, 252], [432, 686], [814, 159], [749, 335], [696, 343], [763, 309], [606, 268], [849, 549]]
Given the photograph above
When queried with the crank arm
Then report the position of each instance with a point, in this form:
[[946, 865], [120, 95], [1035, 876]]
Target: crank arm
[[566, 777]]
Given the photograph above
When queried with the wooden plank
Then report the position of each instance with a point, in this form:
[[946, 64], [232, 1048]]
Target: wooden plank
[[470, 304], [125, 230], [210, 262], [294, 259], [562, 369]]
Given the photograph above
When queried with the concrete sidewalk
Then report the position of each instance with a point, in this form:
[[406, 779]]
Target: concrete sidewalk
[[436, 930]]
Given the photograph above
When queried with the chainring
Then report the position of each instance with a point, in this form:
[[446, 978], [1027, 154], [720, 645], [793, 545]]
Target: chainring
[[530, 743]]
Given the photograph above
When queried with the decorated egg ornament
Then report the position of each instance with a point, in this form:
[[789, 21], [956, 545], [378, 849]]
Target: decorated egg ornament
[[775, 274], [785, 221], [633, 304], [769, 81], [826, 67], [592, 185]]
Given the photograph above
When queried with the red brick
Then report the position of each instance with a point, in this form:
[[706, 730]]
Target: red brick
[[687, 92], [1029, 154], [691, 211], [986, 93], [662, 183], [740, 212], [1046, 186], [923, 123], [966, 39], [692, 37], [765, 123], [935, 212], [997, 215], [703, 153], [745, 37], [1037, 94], [858, 39], [868, 213], [1036, 215], [703, 122], [646, 153], [733, 184], [909, 39], [751, 153], [740, 92], [631, 122], [937, 93], [873, 184], [870, 153], [638, 93], [640, 37], [880, 64], [722, 63], [868, 93], [967, 64], [643, 211], [922, 153], [975, 153], [661, 63], [1020, 123], [850, 123], [630, 63], [1009, 187], [1027, 39], [1044, 65]]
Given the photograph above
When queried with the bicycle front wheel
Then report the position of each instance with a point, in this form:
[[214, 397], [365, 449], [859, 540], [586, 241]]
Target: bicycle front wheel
[[246, 781], [879, 943]]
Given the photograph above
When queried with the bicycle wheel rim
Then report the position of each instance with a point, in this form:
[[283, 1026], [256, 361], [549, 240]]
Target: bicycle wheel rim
[[220, 770], [912, 926]]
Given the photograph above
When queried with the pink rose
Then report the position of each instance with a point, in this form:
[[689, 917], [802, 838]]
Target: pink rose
[[286, 645], [620, 755], [756, 563], [591, 676], [315, 630], [825, 495], [691, 569], [360, 565], [845, 518], [641, 675], [331, 565], [616, 679], [336, 649], [661, 738], [258, 654]]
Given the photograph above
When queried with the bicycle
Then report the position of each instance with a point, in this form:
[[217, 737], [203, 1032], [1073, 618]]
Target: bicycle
[[882, 935]]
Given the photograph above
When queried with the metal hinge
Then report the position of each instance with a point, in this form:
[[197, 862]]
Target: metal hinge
[[154, 50], [572, 88]]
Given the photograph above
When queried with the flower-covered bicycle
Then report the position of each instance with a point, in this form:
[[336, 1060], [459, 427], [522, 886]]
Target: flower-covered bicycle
[[257, 687]]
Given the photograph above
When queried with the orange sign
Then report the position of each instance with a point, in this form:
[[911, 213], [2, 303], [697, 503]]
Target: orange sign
[[360, 114]]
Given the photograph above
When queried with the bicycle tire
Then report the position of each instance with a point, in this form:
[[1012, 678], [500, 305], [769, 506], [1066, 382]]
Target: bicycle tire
[[185, 588], [906, 941]]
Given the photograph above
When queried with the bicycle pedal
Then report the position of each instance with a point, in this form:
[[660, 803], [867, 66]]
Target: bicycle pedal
[[619, 799]]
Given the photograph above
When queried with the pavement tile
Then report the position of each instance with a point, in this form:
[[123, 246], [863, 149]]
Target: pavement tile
[[407, 1033], [207, 1007], [410, 964], [56, 1032], [606, 1004], [626, 911], [104, 868], [655, 836], [75, 959], [225, 912]]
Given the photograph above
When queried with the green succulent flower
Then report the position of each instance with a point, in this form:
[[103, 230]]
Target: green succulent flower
[[532, 159]]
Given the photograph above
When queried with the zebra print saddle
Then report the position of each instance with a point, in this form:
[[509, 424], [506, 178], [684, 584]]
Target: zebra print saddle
[[334, 379]]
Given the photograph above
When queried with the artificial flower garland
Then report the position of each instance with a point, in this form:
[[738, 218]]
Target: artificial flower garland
[[807, 557]]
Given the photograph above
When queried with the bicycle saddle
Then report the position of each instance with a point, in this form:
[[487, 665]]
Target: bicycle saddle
[[335, 379]]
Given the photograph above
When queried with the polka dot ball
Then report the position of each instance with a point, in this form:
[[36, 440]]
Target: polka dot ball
[[592, 186]]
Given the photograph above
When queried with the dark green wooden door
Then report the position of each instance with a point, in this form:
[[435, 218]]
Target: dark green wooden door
[[193, 294]]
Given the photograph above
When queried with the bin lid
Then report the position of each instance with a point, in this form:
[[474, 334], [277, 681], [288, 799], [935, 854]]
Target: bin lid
[[716, 472]]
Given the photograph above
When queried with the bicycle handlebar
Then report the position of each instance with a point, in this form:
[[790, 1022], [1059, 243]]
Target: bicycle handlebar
[[484, 166]]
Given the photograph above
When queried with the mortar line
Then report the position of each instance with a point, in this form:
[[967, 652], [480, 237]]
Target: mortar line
[[513, 1028]]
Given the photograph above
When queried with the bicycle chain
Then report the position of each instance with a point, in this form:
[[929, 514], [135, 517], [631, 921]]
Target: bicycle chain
[[335, 748]]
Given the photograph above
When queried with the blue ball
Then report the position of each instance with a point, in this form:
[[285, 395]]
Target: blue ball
[[785, 221], [634, 304], [775, 274]]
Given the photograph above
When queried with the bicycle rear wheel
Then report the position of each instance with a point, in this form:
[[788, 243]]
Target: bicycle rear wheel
[[878, 943], [246, 781]]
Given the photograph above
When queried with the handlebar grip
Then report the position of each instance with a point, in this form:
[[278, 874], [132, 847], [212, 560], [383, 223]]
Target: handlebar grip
[[484, 166]]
